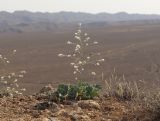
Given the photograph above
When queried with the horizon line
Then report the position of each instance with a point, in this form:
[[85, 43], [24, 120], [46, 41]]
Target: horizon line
[[76, 12]]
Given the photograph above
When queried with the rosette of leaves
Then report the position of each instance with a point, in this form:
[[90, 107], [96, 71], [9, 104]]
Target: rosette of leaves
[[79, 91]]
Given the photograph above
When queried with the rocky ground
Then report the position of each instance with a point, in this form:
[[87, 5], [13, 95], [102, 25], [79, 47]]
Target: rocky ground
[[34, 108]]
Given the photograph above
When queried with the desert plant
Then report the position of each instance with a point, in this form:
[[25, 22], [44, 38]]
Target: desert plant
[[152, 102], [122, 89], [79, 91], [81, 56], [9, 81]]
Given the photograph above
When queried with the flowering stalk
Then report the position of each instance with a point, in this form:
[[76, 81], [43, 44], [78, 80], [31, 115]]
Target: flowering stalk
[[81, 57]]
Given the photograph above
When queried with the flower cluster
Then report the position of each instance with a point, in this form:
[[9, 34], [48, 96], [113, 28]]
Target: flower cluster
[[81, 55], [3, 60], [9, 82]]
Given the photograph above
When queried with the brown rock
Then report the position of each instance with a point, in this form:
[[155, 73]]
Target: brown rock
[[62, 112], [45, 119], [86, 104], [76, 117], [46, 89]]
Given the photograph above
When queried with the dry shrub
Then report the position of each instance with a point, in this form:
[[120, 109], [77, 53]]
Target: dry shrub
[[121, 89], [138, 95]]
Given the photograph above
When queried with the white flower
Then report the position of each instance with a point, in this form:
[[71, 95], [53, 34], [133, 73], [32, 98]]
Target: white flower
[[88, 38], [68, 55], [5, 82], [79, 31], [95, 42], [78, 38], [16, 92], [8, 88], [9, 76], [86, 44], [11, 95], [88, 57], [69, 42], [78, 46], [80, 62], [85, 34], [13, 74], [102, 60], [97, 64], [74, 72], [23, 72], [15, 80], [72, 64], [60, 55], [23, 89], [2, 77], [16, 85], [93, 73], [76, 67], [7, 61], [14, 51], [21, 76], [76, 49], [82, 69]]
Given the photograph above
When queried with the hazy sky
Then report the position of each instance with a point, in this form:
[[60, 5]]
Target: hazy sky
[[92, 6]]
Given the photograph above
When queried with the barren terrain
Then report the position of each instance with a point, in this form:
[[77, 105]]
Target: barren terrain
[[133, 50]]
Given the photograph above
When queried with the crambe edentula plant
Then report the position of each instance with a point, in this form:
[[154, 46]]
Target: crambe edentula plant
[[81, 55], [9, 82]]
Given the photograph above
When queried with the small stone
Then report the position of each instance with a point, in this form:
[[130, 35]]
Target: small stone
[[75, 105], [45, 119], [79, 110], [74, 117], [42, 106], [35, 114], [88, 104], [62, 113], [47, 111], [86, 118], [53, 119], [68, 102], [46, 89], [109, 119], [61, 106], [72, 113], [47, 105]]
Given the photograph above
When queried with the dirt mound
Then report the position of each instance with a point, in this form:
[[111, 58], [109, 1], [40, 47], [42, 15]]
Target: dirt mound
[[28, 108]]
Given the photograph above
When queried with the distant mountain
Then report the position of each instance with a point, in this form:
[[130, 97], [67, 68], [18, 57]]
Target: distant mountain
[[25, 21]]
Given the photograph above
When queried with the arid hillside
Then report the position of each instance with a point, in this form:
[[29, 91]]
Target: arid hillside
[[133, 50]]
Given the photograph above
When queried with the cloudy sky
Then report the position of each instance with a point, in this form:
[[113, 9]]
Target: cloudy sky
[[92, 6]]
